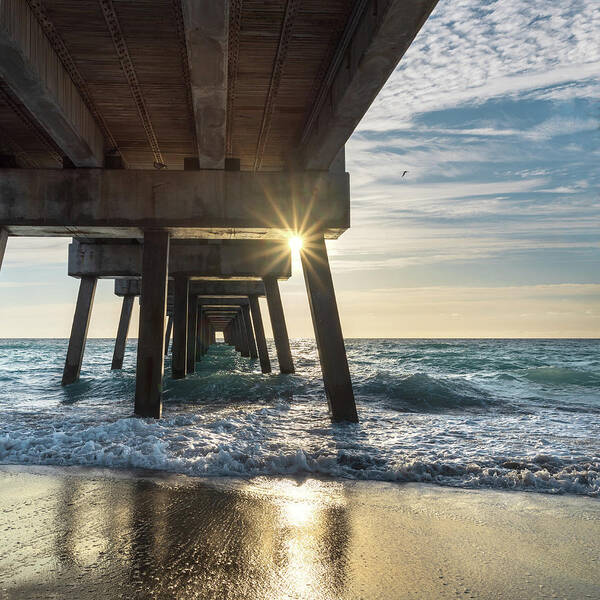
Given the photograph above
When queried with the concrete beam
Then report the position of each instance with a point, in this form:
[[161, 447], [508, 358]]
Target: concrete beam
[[35, 74], [206, 288], [222, 302], [367, 56], [187, 204], [206, 31], [235, 259]]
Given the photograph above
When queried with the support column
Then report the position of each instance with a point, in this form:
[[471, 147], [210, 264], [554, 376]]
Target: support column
[[261, 341], [213, 336], [249, 331], [150, 358], [204, 333], [328, 330], [280, 334], [244, 342], [168, 334], [3, 240], [119, 353], [200, 339], [237, 343], [192, 333], [180, 327], [81, 321]]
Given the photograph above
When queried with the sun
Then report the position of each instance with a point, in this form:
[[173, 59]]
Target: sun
[[295, 243]]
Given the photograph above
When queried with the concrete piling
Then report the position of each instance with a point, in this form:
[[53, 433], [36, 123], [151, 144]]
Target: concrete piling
[[3, 240], [121, 340], [81, 321], [168, 334], [261, 341], [280, 334], [150, 358], [249, 331], [180, 327], [328, 330], [244, 342], [192, 332]]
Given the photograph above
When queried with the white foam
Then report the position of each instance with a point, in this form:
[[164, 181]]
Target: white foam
[[454, 440]]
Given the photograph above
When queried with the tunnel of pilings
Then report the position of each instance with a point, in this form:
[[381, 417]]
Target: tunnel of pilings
[[180, 146]]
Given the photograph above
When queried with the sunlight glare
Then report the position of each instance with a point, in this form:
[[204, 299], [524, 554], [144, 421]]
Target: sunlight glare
[[296, 243]]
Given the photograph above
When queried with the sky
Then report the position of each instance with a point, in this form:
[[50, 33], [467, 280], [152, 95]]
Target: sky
[[494, 231]]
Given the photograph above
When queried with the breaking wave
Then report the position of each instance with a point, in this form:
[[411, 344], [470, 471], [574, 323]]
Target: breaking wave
[[495, 413], [558, 376], [421, 392]]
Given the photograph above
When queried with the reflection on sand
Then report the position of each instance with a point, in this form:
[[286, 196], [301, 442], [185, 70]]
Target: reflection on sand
[[71, 534], [181, 539]]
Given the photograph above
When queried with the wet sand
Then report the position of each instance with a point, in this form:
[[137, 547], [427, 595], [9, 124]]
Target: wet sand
[[81, 533]]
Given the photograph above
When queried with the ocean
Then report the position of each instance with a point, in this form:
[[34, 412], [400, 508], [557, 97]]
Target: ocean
[[510, 414]]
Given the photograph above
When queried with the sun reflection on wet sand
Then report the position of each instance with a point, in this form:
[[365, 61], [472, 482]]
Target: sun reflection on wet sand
[[302, 568], [75, 534]]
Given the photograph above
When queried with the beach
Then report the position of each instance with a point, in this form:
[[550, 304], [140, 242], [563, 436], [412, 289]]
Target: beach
[[74, 532]]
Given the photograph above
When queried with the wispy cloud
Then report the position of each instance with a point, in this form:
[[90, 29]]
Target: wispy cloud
[[471, 51]]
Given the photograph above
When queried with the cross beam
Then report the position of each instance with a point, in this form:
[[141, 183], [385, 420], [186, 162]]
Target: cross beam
[[208, 288], [236, 258], [188, 204]]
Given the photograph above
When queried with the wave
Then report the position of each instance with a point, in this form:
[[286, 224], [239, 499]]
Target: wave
[[559, 376], [211, 450], [421, 392]]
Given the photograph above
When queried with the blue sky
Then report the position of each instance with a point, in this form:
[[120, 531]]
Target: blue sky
[[494, 230]]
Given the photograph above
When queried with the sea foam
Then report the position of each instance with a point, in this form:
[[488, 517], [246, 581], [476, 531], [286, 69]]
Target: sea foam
[[458, 420]]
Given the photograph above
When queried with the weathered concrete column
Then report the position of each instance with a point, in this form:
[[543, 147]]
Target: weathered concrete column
[[244, 342], [249, 331], [261, 341], [150, 357], [119, 353], [81, 321], [205, 334], [328, 330], [3, 240], [200, 339], [168, 333], [180, 326], [192, 332], [237, 342], [280, 334]]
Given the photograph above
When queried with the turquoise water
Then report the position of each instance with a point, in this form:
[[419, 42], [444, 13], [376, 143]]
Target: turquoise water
[[522, 414]]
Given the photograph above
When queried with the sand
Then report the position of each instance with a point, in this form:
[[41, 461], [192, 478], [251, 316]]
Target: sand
[[81, 533]]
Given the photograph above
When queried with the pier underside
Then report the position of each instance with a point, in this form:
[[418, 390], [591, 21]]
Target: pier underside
[[181, 144]]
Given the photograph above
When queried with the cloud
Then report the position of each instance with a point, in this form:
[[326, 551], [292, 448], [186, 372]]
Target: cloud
[[470, 51]]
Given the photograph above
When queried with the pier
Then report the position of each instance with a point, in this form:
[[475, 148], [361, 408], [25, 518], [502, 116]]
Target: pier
[[182, 144]]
